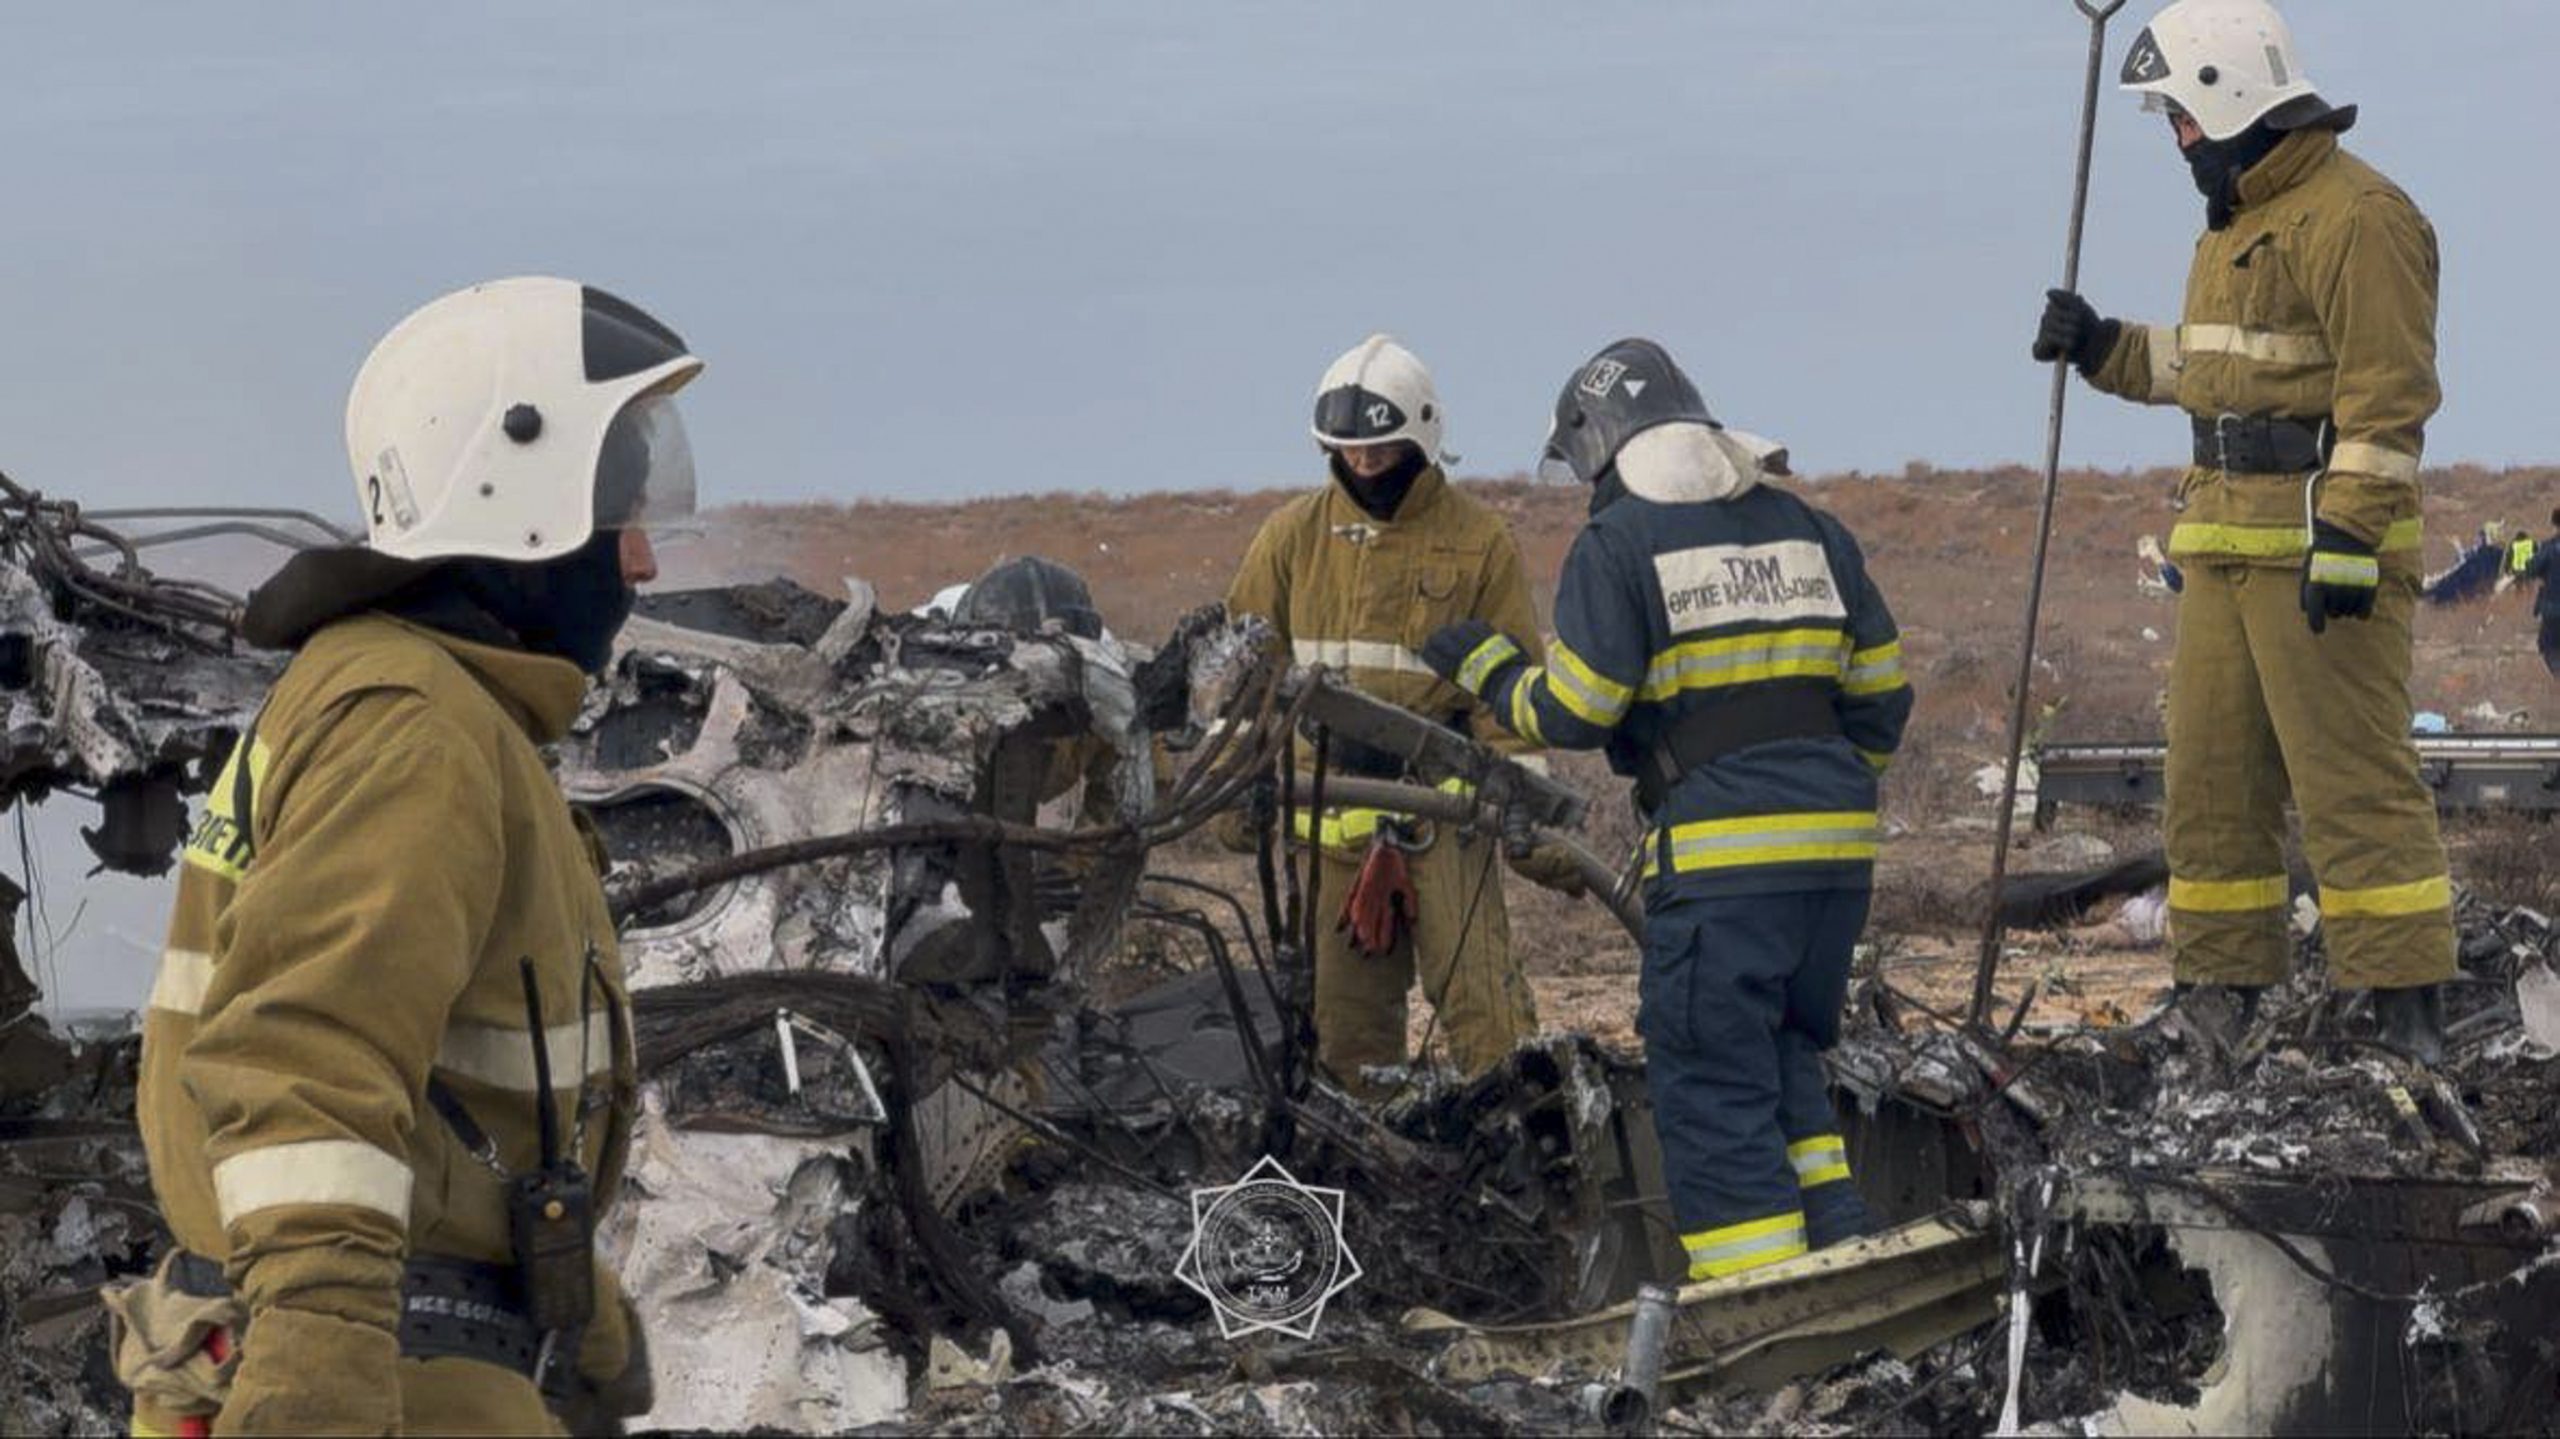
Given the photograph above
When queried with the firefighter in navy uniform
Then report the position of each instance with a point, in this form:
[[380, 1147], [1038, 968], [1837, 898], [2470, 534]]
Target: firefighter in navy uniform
[[1721, 640], [2306, 362], [387, 1073]]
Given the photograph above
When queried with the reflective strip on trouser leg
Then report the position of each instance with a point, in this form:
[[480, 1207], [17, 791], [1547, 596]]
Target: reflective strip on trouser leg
[[2340, 706], [2224, 824], [1822, 1159], [1732, 1248]]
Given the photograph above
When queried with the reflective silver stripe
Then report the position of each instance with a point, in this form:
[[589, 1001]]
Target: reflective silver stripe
[[2358, 457], [2168, 360], [1674, 669], [1587, 704], [502, 1055], [2327, 569], [180, 987], [1533, 763], [312, 1171], [1769, 839], [1789, 1240], [2266, 346], [1359, 655], [1493, 654]]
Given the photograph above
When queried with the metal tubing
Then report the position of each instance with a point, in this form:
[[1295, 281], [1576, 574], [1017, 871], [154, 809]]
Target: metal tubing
[[1352, 792], [1988, 965]]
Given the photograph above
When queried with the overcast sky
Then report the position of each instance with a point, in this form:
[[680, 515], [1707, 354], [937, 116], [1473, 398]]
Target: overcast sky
[[937, 249]]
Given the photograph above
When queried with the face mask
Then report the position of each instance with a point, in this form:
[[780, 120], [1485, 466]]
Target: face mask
[[571, 607], [2217, 166]]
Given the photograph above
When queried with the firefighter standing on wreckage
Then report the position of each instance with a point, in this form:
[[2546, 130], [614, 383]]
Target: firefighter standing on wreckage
[[2306, 359], [1721, 639], [387, 1072], [1355, 576]]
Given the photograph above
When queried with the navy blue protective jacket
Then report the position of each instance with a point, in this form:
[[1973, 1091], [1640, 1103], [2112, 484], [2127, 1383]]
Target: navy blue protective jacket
[[1705, 601]]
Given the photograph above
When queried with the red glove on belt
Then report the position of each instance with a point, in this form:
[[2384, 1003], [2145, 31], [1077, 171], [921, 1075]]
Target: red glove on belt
[[1381, 905]]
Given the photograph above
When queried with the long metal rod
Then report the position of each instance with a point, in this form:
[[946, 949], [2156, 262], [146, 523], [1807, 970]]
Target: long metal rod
[[1988, 966]]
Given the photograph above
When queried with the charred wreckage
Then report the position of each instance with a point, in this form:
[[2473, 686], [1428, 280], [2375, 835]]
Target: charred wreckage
[[931, 1080]]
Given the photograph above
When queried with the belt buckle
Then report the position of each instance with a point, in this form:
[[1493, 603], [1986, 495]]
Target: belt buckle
[[2222, 440]]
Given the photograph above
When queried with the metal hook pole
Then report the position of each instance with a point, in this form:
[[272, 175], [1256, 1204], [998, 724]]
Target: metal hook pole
[[1988, 965]]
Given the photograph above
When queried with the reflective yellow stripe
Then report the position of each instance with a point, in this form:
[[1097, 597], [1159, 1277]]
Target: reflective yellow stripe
[[501, 1055], [1493, 654], [1736, 1247], [221, 845], [2167, 360], [2359, 457], [1876, 759], [312, 1171], [2226, 896], [1590, 695], [184, 974], [2272, 347], [2268, 542], [1819, 1160], [2336, 569], [1344, 829], [2418, 896], [1874, 672], [1770, 839], [1745, 659], [1524, 709]]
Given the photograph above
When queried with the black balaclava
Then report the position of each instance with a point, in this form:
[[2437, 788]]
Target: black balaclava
[[2218, 165], [570, 607], [1381, 495]]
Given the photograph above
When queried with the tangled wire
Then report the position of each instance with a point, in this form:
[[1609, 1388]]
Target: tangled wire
[[45, 538]]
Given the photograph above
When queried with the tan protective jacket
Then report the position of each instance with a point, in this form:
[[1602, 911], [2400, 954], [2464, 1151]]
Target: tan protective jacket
[[383, 849], [2318, 300], [1362, 594]]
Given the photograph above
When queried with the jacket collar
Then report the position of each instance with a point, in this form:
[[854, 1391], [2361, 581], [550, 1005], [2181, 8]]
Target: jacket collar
[[540, 692], [2290, 163]]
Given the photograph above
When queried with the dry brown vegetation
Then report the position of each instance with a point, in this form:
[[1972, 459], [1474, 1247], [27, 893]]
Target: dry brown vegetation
[[1950, 549]]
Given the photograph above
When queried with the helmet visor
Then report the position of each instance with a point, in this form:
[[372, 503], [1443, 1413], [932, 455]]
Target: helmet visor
[[1350, 415], [644, 472]]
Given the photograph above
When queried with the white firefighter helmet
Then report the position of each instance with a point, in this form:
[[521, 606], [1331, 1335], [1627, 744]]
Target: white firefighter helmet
[[2228, 64], [1378, 393], [515, 419]]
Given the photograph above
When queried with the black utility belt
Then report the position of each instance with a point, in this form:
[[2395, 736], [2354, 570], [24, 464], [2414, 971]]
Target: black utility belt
[[1761, 715], [449, 1309], [2262, 444]]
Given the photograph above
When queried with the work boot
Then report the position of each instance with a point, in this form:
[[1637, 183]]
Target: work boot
[[2412, 1021], [1835, 1213], [2222, 1013]]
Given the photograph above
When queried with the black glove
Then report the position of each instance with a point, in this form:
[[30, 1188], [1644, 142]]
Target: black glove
[[2339, 577], [1470, 653], [2073, 330]]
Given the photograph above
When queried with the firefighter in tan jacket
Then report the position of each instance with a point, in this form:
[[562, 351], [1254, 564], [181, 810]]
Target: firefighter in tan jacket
[[2306, 360], [387, 1067], [1355, 576]]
